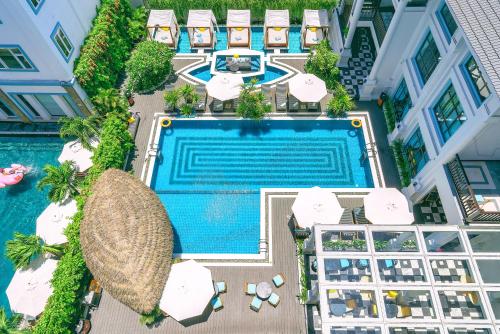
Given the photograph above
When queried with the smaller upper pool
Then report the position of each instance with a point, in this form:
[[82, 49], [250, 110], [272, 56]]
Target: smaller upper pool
[[271, 73]]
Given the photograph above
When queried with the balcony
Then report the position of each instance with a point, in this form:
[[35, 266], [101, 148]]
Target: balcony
[[476, 208]]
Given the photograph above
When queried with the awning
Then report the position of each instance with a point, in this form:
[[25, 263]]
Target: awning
[[277, 18], [54, 219], [188, 290], [224, 87], [200, 18], [316, 206], [238, 18], [387, 206], [74, 151], [316, 18], [161, 17], [307, 87]]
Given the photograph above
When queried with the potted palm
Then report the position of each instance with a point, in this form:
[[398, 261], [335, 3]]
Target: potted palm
[[172, 98], [25, 248], [10, 325], [190, 97]]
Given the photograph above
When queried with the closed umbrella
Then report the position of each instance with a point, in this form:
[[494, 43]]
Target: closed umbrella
[[51, 223], [387, 206], [30, 288], [316, 206], [74, 151], [188, 290], [307, 88], [224, 87]]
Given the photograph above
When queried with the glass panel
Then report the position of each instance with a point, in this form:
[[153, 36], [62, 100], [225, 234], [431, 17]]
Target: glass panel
[[427, 58], [484, 241], [480, 87], [451, 271], [9, 60], [48, 102], [348, 270], [413, 330], [35, 3], [449, 113], [352, 303], [355, 330], [387, 241], [401, 270], [6, 110], [449, 22], [344, 241], [28, 105], [489, 270], [461, 305], [494, 297], [461, 330], [416, 153], [443, 242], [409, 304], [402, 100]]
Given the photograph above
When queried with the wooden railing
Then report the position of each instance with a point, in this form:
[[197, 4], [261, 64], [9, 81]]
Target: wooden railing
[[471, 210]]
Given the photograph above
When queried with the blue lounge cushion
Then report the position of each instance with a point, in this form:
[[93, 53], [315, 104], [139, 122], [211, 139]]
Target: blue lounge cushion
[[274, 299], [344, 264], [479, 198], [389, 263], [256, 303], [363, 263], [251, 288], [221, 286], [278, 280], [216, 302]]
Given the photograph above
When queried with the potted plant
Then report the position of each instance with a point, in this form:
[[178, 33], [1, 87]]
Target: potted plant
[[340, 103], [172, 99]]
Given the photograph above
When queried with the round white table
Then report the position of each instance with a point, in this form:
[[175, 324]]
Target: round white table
[[264, 290]]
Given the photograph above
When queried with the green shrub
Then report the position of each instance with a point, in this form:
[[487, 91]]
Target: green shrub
[[390, 115], [340, 103], [109, 100], [322, 62], [149, 65], [258, 7], [136, 24], [402, 163], [252, 102]]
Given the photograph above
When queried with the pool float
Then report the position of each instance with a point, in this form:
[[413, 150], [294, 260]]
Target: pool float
[[166, 122], [12, 175], [356, 123]]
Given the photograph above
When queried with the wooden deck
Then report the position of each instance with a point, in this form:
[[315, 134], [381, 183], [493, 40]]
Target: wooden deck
[[112, 317]]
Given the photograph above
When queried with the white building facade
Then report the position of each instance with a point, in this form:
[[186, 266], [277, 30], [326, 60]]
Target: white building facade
[[439, 63], [39, 42]]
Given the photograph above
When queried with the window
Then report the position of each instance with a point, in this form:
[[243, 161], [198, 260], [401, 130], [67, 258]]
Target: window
[[447, 21], [402, 101], [484, 241], [449, 113], [62, 42], [427, 58], [415, 152], [13, 58], [476, 81], [48, 102], [6, 110], [33, 112], [35, 5]]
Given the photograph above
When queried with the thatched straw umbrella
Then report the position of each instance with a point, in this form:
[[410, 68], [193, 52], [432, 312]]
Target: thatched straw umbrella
[[126, 240]]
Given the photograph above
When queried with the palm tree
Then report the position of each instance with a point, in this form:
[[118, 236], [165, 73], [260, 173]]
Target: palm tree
[[172, 98], [109, 100], [9, 325], [61, 180], [25, 248], [83, 129], [152, 318], [189, 94]]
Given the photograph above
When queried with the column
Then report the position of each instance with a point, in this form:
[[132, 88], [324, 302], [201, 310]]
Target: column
[[5, 98], [70, 89], [353, 23]]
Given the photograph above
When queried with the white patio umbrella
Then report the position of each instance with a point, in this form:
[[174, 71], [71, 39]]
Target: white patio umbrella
[[51, 223], [29, 289], [224, 87], [188, 290], [307, 87], [74, 151], [316, 206], [387, 206]]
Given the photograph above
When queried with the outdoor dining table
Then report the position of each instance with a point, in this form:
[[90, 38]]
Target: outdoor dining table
[[337, 307], [264, 290]]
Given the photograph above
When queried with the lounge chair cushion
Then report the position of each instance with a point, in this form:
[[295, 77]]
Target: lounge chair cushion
[[274, 299], [216, 303], [221, 286], [256, 304], [389, 264], [344, 264], [362, 263], [278, 280], [251, 289]]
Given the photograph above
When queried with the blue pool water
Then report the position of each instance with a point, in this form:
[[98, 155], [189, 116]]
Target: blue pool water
[[21, 204], [211, 172], [270, 73], [257, 40]]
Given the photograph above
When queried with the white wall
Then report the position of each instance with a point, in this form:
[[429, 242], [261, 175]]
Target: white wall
[[485, 146]]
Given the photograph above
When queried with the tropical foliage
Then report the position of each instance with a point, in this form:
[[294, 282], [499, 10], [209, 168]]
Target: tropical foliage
[[340, 103], [183, 97], [9, 325], [150, 319], [258, 7], [252, 102], [25, 248], [390, 115], [61, 180], [322, 62], [109, 100], [402, 163], [149, 65], [107, 46], [302, 271], [83, 129]]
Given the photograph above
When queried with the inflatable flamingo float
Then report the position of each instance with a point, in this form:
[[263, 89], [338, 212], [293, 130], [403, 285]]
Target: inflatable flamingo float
[[12, 175]]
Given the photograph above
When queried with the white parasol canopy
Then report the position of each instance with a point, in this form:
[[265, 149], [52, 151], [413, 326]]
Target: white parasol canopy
[[188, 290], [51, 223], [74, 151], [316, 18], [30, 289], [387, 206], [277, 18], [224, 87], [200, 18], [238, 18], [316, 206], [307, 87]]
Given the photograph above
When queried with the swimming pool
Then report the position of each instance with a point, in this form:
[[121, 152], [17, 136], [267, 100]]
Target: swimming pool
[[270, 73], [211, 172], [257, 40], [21, 204]]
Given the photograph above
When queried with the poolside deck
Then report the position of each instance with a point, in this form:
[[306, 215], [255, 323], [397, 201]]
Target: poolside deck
[[112, 317]]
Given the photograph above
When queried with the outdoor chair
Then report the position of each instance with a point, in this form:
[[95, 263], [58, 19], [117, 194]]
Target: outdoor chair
[[216, 303], [202, 102], [279, 280], [362, 264], [293, 104], [313, 106], [221, 286], [274, 299], [281, 97], [347, 217], [404, 312], [344, 264], [359, 216], [256, 304], [266, 90], [250, 289], [388, 264], [218, 106]]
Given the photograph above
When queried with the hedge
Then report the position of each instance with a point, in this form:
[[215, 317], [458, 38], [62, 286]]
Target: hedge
[[402, 163], [107, 46], [71, 276], [258, 7], [390, 115]]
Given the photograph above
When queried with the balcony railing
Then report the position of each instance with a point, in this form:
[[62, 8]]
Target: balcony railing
[[471, 209]]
